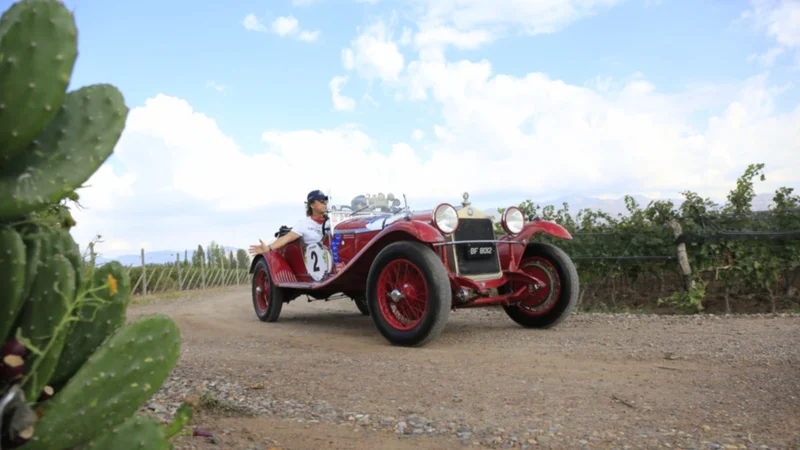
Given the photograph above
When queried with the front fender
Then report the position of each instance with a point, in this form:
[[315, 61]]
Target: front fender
[[542, 226], [512, 254], [420, 230]]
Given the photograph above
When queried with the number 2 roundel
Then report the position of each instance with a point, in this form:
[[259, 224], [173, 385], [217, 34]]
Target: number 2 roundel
[[318, 261]]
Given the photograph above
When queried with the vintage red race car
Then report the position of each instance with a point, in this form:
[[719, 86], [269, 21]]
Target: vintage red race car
[[408, 269]]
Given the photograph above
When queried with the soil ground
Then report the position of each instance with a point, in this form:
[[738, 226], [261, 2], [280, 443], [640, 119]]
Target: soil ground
[[322, 377]]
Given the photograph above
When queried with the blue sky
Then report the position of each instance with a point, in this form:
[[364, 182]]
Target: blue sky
[[578, 97]]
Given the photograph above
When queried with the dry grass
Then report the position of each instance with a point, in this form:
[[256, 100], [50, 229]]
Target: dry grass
[[171, 296]]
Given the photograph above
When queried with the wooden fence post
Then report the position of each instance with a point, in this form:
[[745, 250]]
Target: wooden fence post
[[203, 269], [683, 258], [180, 279], [144, 276]]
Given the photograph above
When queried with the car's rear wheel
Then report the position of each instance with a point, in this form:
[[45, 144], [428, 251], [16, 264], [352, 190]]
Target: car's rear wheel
[[267, 298], [548, 306], [408, 292]]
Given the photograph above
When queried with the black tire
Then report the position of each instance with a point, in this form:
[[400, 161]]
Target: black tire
[[544, 258], [432, 276], [361, 303], [274, 298]]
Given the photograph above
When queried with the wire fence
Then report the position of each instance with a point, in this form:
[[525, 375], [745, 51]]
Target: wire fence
[[158, 278]]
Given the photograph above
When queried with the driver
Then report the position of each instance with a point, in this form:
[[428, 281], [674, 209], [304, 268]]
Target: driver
[[309, 227]]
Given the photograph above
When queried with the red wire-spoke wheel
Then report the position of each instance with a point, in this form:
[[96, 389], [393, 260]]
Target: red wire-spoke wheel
[[402, 294], [267, 299], [408, 291], [540, 299], [546, 306], [262, 290]]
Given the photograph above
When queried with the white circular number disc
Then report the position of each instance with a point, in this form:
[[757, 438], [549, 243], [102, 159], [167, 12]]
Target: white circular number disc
[[319, 261]]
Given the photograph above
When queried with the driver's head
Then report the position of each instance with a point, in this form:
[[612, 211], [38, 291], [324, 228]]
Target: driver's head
[[316, 200], [316, 195]]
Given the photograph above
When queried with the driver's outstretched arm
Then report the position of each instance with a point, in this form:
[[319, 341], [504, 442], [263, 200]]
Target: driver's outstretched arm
[[283, 240]]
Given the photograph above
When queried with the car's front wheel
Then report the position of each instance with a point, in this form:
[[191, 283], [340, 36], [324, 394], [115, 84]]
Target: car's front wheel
[[408, 292], [551, 304], [267, 298]]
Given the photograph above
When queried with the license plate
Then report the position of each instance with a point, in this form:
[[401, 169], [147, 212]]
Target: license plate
[[479, 251]]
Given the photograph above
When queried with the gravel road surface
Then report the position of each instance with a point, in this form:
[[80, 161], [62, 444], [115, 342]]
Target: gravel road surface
[[322, 377]]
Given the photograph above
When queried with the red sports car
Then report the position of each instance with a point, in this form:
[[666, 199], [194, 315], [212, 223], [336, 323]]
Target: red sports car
[[408, 269]]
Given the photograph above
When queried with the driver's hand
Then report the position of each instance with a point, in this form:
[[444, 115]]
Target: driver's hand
[[258, 249]]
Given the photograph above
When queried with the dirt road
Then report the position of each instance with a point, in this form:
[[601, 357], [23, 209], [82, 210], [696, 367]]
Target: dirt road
[[323, 377]]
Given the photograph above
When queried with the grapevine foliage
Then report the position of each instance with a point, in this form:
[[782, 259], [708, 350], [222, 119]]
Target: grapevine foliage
[[734, 252]]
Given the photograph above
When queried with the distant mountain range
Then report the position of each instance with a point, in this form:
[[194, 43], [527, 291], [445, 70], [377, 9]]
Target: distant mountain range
[[154, 257]]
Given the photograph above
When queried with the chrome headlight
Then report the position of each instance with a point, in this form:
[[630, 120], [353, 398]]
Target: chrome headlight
[[513, 220], [445, 217]]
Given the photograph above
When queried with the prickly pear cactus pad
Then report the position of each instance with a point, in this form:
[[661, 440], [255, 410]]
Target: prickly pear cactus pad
[[96, 322], [69, 150], [53, 293], [12, 278], [38, 44], [125, 371], [138, 432]]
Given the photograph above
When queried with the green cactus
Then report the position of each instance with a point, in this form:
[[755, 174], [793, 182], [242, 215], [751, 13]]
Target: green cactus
[[82, 371], [62, 242], [12, 278], [117, 379], [38, 44], [72, 147], [33, 246], [96, 322], [182, 417], [138, 432], [42, 322]]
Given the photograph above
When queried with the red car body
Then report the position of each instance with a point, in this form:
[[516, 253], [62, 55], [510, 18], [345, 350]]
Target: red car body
[[407, 270]]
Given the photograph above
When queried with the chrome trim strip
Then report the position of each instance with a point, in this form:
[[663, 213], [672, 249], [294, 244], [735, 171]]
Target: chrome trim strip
[[478, 242], [353, 231]]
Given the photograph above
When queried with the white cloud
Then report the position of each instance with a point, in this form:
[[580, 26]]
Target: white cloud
[[281, 26], [446, 36], [252, 23], [619, 139], [374, 54], [778, 19], [469, 24], [285, 25], [417, 135], [216, 86], [308, 36], [767, 58], [532, 17], [340, 102]]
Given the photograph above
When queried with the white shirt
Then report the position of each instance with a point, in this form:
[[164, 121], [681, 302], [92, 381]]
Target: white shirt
[[309, 229]]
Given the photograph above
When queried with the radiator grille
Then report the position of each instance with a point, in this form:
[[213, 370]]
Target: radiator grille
[[475, 264]]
